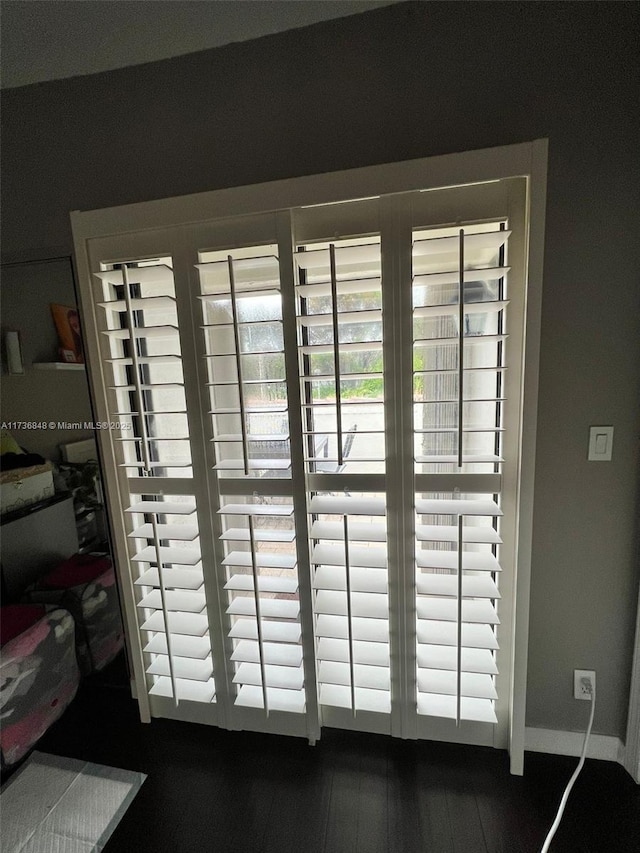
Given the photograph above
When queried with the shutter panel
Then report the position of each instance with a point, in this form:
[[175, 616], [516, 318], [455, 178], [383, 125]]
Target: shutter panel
[[244, 351], [139, 320], [459, 307], [339, 308]]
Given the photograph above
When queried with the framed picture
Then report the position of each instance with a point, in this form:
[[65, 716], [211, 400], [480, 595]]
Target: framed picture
[[68, 327]]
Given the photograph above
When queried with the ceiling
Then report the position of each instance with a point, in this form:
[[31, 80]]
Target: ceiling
[[53, 39]]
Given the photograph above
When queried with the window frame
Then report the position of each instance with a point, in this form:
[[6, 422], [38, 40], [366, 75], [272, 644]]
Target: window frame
[[230, 208]]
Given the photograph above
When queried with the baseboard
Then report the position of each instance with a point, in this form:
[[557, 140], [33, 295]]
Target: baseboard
[[603, 747]]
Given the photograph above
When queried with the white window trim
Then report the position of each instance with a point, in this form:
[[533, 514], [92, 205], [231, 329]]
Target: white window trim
[[526, 160], [631, 752]]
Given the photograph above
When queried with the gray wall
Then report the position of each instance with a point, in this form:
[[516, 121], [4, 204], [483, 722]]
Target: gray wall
[[399, 83], [26, 292]]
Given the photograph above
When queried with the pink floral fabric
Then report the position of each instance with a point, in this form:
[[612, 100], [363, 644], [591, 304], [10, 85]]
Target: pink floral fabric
[[38, 678], [96, 609]]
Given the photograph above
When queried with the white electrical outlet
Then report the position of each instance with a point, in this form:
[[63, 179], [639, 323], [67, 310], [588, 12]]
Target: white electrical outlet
[[581, 680]]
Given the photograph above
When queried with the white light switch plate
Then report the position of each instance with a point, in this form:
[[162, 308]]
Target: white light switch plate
[[600, 443]]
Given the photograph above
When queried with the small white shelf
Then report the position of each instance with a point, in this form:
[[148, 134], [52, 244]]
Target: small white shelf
[[57, 365]]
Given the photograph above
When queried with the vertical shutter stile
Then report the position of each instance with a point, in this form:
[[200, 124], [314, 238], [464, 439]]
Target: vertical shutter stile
[[460, 452], [286, 250], [461, 355], [459, 621]]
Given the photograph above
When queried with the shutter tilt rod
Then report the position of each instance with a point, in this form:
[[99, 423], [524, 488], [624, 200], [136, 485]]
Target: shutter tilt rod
[[336, 348], [349, 624], [459, 620], [236, 336], [165, 612], [136, 371], [256, 596], [461, 349]]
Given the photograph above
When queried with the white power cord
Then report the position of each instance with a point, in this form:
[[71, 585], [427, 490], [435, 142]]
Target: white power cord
[[563, 802]]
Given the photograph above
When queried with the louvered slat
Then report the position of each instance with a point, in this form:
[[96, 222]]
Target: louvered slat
[[474, 684], [436, 633], [285, 677], [275, 632], [367, 605], [256, 509], [178, 532], [471, 560], [181, 556], [241, 534], [250, 696], [446, 657], [172, 578], [366, 653], [270, 608], [358, 531], [182, 600], [362, 580], [446, 609], [439, 705], [266, 583], [279, 654], [474, 586], [183, 667], [262, 560], [369, 630], [192, 691], [193, 624], [181, 645], [372, 677], [339, 696], [335, 555], [344, 505], [163, 507], [449, 533], [464, 506]]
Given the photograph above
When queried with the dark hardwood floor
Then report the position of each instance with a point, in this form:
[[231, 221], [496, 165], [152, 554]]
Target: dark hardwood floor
[[213, 790]]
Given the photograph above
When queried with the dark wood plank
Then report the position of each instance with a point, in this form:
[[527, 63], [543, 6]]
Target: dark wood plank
[[402, 791], [341, 833], [372, 812], [435, 824], [495, 796], [299, 814]]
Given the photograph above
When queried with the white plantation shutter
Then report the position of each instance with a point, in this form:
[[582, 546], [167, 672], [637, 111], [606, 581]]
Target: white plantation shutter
[[459, 307], [339, 309], [244, 350], [315, 492], [340, 348], [351, 602], [244, 344], [263, 590], [145, 375]]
